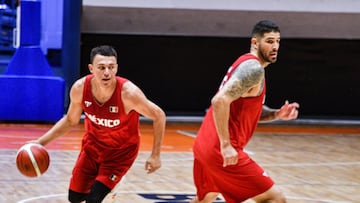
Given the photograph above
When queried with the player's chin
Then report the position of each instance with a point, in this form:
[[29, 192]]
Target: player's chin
[[272, 59]]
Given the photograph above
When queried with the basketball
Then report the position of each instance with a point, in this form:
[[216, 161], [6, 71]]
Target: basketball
[[32, 160]]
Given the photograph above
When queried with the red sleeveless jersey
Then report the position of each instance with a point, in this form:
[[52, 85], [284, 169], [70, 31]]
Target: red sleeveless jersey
[[243, 118], [107, 125]]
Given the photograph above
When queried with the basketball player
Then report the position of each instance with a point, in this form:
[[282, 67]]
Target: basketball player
[[112, 106], [220, 163]]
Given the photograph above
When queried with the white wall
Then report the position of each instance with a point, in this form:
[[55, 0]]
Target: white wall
[[338, 19]]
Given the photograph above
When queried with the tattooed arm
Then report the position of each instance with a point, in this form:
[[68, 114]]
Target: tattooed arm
[[286, 112], [247, 77], [268, 114]]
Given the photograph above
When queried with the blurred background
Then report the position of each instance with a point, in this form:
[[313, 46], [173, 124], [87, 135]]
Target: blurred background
[[178, 51]]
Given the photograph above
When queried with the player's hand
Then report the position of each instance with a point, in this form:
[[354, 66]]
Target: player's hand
[[152, 164], [229, 154], [288, 111]]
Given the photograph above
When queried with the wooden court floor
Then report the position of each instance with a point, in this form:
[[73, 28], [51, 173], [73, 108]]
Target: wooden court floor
[[317, 164]]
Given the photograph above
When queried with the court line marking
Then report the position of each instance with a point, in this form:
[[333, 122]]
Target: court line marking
[[41, 197], [114, 194], [313, 164], [193, 135], [187, 133], [317, 200], [34, 136]]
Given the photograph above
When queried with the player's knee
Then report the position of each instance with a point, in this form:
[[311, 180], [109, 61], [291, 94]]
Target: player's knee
[[281, 198], [274, 195], [278, 196], [76, 197], [98, 193]]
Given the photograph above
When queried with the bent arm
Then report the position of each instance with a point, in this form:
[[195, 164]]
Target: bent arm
[[288, 111], [69, 120], [248, 75], [268, 114], [134, 99]]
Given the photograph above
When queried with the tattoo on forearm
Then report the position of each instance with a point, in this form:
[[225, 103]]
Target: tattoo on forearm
[[246, 75], [267, 114]]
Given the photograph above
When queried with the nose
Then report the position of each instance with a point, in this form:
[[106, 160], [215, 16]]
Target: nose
[[276, 46], [107, 71]]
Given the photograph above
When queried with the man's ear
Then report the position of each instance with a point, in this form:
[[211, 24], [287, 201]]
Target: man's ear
[[254, 43], [90, 68]]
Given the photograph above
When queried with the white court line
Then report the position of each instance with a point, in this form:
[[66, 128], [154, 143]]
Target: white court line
[[314, 164], [42, 197], [316, 200], [192, 193], [32, 137], [142, 161], [193, 135], [115, 193], [187, 133], [17, 136]]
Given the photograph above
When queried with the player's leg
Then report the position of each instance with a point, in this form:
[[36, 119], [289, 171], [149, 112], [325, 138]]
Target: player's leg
[[274, 195], [112, 169], [205, 185], [98, 193], [209, 198], [82, 179], [76, 197]]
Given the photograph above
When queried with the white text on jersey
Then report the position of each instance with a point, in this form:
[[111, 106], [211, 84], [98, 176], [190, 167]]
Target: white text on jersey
[[103, 121]]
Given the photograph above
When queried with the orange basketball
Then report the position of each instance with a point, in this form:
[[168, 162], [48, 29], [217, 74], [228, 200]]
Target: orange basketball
[[32, 160]]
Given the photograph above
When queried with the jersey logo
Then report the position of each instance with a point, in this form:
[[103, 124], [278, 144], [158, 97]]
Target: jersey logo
[[113, 177], [87, 103], [113, 109], [103, 121], [265, 174]]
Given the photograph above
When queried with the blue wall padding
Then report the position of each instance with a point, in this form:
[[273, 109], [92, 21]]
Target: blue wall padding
[[31, 98], [29, 91], [30, 26], [29, 60]]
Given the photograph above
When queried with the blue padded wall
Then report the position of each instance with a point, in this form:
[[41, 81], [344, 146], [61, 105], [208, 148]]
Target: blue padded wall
[[31, 98], [29, 89]]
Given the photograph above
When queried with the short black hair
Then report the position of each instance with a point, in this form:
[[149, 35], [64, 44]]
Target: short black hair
[[264, 26], [104, 50]]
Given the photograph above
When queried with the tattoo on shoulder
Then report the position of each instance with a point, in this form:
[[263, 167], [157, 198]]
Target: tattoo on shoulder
[[245, 76]]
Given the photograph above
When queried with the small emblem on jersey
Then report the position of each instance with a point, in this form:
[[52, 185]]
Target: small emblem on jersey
[[87, 103], [113, 177], [265, 174], [114, 109]]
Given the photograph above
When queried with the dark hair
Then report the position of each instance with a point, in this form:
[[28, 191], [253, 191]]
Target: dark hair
[[104, 50], [264, 26]]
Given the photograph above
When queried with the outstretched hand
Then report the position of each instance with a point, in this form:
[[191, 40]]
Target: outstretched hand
[[288, 111]]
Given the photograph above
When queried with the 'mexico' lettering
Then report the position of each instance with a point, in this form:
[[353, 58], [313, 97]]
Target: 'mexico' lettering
[[103, 121]]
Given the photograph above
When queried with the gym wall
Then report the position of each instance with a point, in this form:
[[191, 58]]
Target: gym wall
[[178, 51]]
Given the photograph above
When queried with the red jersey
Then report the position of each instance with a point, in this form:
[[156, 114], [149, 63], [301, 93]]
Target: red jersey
[[111, 141], [244, 116], [107, 124], [235, 182]]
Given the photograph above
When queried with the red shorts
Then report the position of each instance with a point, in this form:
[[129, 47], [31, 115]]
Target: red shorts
[[236, 183], [107, 166]]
